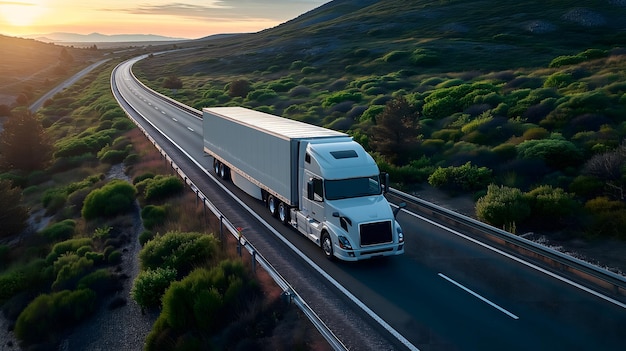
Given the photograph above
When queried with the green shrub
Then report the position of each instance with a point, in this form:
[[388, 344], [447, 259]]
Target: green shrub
[[424, 57], [54, 199], [502, 207], [145, 236], [114, 257], [558, 80], [67, 246], [342, 96], [150, 285], [181, 251], [49, 314], [114, 198], [101, 281], [608, 218], [153, 215], [557, 153], [114, 156], [161, 187], [204, 302], [32, 277], [69, 268], [371, 113], [551, 207], [59, 231], [463, 178], [395, 55], [261, 95]]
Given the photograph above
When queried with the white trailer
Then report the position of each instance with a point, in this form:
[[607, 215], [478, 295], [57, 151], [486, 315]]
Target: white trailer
[[319, 181]]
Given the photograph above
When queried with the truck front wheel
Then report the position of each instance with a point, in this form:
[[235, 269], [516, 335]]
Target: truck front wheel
[[327, 246]]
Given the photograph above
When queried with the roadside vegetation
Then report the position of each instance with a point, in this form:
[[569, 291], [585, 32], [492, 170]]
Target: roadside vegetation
[[58, 168], [522, 112]]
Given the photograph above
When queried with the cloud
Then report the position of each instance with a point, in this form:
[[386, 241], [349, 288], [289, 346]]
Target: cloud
[[228, 10]]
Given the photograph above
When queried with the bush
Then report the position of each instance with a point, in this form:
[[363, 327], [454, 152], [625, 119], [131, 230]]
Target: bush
[[47, 315], [150, 285], [550, 207], [68, 246], [557, 153], [100, 281], [608, 218], [33, 276], [114, 156], [145, 236], [69, 268], [161, 187], [464, 178], [153, 215], [115, 257], [114, 198], [59, 231], [502, 207], [340, 97], [181, 251], [203, 303]]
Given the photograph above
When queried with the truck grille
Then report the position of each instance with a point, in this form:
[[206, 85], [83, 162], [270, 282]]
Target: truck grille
[[375, 233]]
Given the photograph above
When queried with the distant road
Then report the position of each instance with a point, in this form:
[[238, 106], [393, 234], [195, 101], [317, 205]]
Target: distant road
[[37, 104]]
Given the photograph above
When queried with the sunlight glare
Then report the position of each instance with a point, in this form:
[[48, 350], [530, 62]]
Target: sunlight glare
[[21, 13]]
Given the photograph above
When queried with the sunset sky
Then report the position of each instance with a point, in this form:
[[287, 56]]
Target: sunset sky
[[184, 19]]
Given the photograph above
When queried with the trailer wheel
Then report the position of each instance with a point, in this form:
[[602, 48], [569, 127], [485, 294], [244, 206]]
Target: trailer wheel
[[272, 205], [216, 167], [224, 171], [327, 246], [283, 213]]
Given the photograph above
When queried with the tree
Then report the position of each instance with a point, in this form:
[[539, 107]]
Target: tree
[[173, 82], [239, 88], [609, 168], [395, 134], [502, 207], [24, 144], [13, 215]]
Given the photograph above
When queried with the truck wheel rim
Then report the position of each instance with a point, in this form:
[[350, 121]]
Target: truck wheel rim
[[282, 213], [327, 246]]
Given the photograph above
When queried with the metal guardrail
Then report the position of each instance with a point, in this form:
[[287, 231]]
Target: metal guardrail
[[256, 258], [610, 282]]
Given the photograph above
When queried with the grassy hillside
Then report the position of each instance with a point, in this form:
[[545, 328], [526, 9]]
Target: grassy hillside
[[31, 67], [528, 96]]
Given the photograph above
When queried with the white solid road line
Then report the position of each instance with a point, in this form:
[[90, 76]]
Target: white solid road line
[[478, 296], [526, 263]]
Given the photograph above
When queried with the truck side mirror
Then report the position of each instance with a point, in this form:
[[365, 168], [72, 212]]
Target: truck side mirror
[[397, 209], [385, 179]]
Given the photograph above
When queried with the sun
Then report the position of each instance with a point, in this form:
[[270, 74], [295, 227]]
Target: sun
[[21, 13]]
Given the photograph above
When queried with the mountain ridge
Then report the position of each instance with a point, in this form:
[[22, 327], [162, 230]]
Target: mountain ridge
[[64, 37]]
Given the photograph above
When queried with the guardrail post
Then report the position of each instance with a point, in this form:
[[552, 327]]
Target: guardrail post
[[221, 227], [253, 261]]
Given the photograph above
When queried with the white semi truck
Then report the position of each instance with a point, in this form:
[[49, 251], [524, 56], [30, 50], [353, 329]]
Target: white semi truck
[[319, 181]]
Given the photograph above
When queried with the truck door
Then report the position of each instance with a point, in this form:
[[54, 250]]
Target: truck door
[[313, 202]]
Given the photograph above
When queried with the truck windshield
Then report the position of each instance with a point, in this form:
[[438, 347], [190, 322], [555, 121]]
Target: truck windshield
[[353, 187]]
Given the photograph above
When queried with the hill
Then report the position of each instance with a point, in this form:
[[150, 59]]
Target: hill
[[32, 67], [467, 35], [524, 95]]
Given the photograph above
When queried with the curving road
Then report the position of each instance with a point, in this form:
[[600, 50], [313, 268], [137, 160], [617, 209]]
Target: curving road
[[447, 292]]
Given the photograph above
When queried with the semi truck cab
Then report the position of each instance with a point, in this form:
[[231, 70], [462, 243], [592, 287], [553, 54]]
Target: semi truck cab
[[342, 206]]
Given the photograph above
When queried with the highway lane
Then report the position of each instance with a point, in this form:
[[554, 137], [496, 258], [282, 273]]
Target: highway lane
[[446, 292]]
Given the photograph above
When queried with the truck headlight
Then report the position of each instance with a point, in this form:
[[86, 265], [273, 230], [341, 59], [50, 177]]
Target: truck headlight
[[344, 243], [400, 235]]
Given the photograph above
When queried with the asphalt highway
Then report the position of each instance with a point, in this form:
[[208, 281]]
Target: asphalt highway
[[447, 292]]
